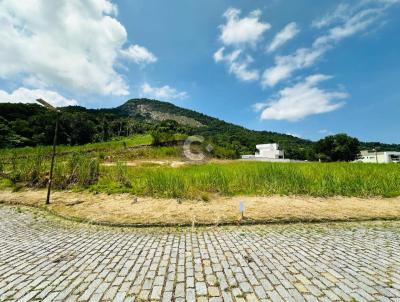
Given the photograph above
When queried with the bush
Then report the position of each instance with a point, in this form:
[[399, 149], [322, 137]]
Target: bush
[[80, 169], [122, 174]]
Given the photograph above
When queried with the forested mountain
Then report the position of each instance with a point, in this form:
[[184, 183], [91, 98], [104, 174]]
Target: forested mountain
[[31, 125]]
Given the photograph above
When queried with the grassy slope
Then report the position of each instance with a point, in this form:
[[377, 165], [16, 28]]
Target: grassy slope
[[117, 144], [216, 128]]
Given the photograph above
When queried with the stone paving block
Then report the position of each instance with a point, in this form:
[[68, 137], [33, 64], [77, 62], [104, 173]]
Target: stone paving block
[[201, 288], [180, 290]]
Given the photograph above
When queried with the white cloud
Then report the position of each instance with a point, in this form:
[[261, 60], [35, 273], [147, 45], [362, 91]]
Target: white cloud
[[24, 95], [73, 44], [242, 31], [238, 64], [325, 132], [237, 34], [340, 14], [139, 54], [242, 71], [219, 55], [344, 11], [165, 93], [301, 100], [259, 106], [356, 22], [286, 65], [286, 34]]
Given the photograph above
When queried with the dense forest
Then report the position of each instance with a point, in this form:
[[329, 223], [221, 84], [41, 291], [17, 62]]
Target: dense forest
[[32, 125]]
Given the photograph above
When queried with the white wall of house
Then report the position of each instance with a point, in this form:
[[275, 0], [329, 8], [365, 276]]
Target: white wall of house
[[269, 151], [379, 157]]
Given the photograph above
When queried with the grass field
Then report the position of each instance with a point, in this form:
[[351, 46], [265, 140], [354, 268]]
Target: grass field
[[252, 178], [85, 168]]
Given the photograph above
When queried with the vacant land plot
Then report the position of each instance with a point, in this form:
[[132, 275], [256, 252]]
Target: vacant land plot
[[126, 209], [83, 171], [245, 178]]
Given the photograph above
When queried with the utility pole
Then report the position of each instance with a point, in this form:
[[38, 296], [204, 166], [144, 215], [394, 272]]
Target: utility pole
[[376, 154], [53, 155]]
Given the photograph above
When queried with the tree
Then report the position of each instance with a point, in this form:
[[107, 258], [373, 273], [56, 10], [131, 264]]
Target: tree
[[340, 147], [8, 138], [5, 134], [164, 132]]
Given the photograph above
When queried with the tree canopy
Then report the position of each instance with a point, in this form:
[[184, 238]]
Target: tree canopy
[[339, 147]]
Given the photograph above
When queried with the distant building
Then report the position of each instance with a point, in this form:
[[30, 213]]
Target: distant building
[[384, 157], [267, 152]]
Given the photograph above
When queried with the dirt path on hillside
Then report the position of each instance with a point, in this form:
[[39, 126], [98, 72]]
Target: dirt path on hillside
[[135, 163]]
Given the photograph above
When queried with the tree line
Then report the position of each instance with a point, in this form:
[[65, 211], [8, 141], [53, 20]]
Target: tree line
[[32, 125]]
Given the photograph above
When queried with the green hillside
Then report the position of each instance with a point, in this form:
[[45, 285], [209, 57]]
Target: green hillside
[[31, 125], [219, 132]]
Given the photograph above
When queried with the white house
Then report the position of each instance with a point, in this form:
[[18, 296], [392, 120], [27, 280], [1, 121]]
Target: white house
[[267, 152], [384, 157]]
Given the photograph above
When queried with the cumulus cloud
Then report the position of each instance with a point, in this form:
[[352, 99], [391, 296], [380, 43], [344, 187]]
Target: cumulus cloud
[[139, 54], [242, 70], [301, 100], [236, 35], [356, 22], [259, 106], [219, 55], [165, 93], [24, 95], [238, 64], [286, 65], [71, 44], [287, 33], [242, 31]]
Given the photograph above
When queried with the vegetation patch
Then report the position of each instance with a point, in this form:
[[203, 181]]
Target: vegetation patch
[[254, 178], [96, 173]]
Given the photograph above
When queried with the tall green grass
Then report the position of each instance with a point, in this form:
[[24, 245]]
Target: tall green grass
[[76, 169], [82, 170], [315, 179], [133, 148]]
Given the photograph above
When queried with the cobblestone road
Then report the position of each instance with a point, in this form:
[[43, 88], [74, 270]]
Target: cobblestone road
[[47, 260]]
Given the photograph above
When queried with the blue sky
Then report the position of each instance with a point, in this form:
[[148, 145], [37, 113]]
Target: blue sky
[[308, 68]]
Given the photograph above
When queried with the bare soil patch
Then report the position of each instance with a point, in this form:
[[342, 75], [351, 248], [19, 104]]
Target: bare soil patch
[[128, 209], [135, 163]]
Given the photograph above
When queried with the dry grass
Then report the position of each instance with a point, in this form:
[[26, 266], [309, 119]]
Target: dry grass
[[121, 209], [136, 163]]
